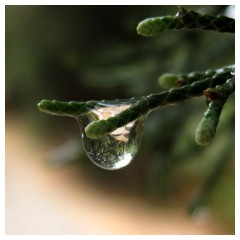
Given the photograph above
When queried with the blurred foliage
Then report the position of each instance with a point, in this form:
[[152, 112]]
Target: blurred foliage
[[93, 52]]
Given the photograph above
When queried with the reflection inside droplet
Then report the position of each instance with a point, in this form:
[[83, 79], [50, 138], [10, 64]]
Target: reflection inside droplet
[[116, 149]]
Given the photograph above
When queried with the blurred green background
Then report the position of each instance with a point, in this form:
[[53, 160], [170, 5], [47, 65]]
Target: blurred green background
[[83, 53]]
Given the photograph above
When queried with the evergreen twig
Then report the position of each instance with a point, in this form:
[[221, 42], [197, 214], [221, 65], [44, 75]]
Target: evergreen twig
[[217, 96], [97, 129], [70, 109], [169, 80], [185, 86], [185, 20]]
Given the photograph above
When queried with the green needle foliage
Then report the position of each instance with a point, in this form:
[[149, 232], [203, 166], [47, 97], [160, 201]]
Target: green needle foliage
[[143, 106], [170, 80], [215, 85], [217, 96], [185, 20], [218, 83], [70, 109], [97, 129]]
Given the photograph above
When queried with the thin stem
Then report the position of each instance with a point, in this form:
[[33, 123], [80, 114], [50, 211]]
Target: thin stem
[[70, 109], [177, 80], [185, 20], [99, 128], [206, 129]]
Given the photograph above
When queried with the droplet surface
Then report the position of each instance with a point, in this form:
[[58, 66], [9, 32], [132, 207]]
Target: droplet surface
[[116, 149]]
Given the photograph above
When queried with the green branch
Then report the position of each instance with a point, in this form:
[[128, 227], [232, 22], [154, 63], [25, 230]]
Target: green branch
[[216, 85], [217, 96], [169, 80], [70, 109], [185, 20], [193, 85], [99, 128]]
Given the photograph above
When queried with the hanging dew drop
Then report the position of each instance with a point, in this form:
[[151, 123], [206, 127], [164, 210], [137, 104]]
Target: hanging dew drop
[[118, 148]]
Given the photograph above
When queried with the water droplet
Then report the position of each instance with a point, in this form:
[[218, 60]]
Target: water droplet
[[116, 149]]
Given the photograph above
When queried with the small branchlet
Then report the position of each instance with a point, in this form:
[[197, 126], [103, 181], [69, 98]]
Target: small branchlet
[[70, 109], [149, 103], [216, 98], [216, 85], [185, 20], [193, 85], [170, 80]]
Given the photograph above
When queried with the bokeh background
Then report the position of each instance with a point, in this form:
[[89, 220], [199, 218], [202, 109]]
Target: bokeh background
[[173, 186]]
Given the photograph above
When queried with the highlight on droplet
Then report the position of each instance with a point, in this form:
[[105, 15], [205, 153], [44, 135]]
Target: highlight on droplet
[[118, 148]]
